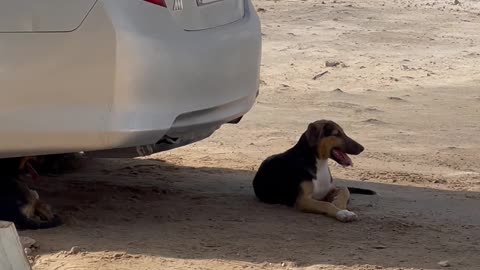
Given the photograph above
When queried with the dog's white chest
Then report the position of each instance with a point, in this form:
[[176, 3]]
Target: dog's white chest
[[323, 184]]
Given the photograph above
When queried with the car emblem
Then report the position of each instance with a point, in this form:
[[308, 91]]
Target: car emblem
[[206, 2], [177, 4]]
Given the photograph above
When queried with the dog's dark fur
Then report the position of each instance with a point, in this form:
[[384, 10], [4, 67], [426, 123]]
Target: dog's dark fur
[[58, 163], [18, 203], [279, 178]]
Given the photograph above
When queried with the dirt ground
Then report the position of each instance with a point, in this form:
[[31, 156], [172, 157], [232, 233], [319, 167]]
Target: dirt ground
[[408, 91]]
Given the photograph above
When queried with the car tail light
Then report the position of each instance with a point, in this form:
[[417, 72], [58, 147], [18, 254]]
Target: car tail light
[[158, 2]]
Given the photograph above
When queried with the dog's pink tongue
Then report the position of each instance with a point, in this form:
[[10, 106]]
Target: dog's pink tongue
[[344, 158]]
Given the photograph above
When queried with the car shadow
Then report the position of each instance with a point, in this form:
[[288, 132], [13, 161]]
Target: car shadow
[[152, 207]]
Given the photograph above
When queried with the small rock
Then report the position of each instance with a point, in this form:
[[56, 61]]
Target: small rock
[[262, 10], [396, 98], [440, 181], [374, 121], [338, 90], [118, 255], [456, 3], [333, 63], [74, 250], [289, 264], [379, 247], [444, 264], [28, 251]]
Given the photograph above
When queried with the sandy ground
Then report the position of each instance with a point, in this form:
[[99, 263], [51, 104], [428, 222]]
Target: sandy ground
[[408, 91]]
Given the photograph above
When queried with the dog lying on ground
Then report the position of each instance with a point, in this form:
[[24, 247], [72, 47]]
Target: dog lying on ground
[[18, 203], [300, 177]]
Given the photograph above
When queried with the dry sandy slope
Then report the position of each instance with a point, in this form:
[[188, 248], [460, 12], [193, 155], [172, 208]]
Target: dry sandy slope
[[409, 92]]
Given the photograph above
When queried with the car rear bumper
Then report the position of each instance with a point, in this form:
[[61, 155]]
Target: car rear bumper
[[179, 84], [186, 129]]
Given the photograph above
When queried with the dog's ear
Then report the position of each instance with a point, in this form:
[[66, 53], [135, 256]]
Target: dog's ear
[[314, 133]]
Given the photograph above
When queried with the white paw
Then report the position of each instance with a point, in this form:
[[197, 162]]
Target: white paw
[[346, 216]]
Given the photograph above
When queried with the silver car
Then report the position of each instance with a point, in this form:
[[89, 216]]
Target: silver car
[[120, 78]]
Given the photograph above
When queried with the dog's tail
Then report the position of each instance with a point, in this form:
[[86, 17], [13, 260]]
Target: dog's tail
[[363, 191]]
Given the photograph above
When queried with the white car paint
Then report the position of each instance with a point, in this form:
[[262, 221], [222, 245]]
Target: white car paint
[[131, 79], [43, 15]]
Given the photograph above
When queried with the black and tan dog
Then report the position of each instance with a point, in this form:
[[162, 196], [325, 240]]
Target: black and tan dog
[[300, 176], [20, 204]]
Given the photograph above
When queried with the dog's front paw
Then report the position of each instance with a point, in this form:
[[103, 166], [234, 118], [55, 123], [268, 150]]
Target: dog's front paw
[[346, 216]]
